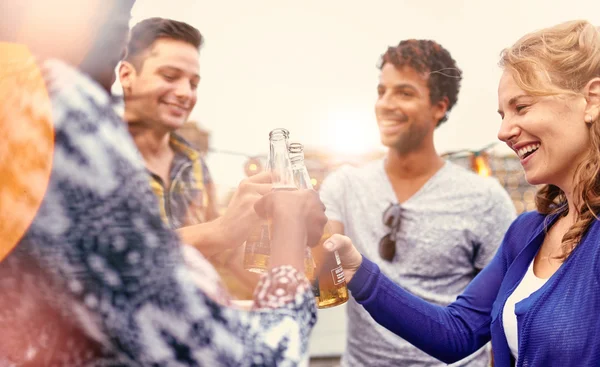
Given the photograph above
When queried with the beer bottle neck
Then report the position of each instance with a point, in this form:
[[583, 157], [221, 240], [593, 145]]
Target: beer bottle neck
[[280, 164], [301, 176]]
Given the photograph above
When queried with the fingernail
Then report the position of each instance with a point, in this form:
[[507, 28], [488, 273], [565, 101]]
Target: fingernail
[[328, 245]]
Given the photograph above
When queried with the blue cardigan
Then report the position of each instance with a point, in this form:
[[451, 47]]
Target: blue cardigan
[[558, 325]]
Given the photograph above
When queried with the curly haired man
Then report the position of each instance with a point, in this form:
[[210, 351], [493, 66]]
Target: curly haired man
[[429, 224]]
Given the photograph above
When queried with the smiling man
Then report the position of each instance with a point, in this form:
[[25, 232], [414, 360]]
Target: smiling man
[[429, 224], [160, 77]]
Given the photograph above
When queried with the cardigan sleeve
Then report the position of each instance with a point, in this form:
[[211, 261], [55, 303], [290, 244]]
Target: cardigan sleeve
[[448, 333]]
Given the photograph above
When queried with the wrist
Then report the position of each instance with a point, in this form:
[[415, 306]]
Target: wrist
[[288, 244], [221, 234], [350, 272]]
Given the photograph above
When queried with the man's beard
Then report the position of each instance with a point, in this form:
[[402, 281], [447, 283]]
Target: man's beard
[[410, 140]]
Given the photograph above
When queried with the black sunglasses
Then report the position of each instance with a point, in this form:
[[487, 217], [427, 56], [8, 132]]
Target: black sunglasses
[[391, 219]]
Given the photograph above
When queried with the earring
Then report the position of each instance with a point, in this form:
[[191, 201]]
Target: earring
[[588, 119]]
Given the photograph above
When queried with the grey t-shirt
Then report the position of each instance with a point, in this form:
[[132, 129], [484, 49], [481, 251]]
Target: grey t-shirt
[[450, 228]]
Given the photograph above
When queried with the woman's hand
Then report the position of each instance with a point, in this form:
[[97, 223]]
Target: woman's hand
[[349, 255]]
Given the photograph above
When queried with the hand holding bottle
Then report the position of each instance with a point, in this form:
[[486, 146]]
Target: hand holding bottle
[[349, 255], [258, 243], [240, 216]]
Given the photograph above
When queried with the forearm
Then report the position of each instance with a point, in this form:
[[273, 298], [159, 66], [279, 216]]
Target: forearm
[[287, 248], [283, 311], [447, 333], [233, 261], [209, 238]]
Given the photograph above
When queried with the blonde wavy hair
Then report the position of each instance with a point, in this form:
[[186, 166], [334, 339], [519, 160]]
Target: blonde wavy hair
[[561, 60]]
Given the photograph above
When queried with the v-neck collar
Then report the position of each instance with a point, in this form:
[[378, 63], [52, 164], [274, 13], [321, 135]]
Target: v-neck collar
[[390, 189]]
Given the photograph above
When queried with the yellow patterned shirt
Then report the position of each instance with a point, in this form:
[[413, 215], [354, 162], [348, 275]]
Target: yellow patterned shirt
[[186, 203]]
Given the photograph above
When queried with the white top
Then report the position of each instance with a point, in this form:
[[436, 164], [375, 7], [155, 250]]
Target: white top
[[529, 284]]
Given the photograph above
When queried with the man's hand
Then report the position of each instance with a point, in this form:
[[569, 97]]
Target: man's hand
[[349, 255], [240, 217], [230, 230], [297, 219]]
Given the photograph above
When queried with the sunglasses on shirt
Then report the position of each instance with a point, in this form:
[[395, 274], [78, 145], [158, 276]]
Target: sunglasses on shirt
[[391, 219]]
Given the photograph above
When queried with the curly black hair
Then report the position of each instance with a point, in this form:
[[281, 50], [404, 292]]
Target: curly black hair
[[429, 57]]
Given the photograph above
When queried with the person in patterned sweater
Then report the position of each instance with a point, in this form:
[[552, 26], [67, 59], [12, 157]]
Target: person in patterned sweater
[[95, 277]]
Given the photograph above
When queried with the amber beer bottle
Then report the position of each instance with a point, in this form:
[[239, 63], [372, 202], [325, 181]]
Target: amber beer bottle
[[329, 282], [257, 250], [258, 244]]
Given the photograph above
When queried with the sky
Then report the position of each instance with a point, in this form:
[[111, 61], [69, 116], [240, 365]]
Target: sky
[[310, 66]]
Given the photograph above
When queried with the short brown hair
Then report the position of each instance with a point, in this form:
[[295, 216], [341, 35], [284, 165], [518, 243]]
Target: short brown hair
[[145, 33]]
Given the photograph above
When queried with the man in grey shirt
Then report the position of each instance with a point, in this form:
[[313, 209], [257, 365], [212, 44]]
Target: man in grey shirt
[[430, 225]]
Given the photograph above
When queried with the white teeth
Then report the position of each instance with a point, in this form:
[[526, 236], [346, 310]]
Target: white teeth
[[530, 148], [176, 106]]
